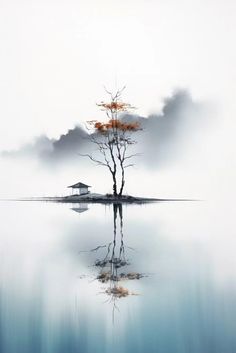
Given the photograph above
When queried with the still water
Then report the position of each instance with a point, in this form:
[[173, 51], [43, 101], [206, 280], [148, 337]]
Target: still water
[[96, 279]]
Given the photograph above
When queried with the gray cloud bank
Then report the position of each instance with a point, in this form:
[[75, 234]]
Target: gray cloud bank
[[164, 139]]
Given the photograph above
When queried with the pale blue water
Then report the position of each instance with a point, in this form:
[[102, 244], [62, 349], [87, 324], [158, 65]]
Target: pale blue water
[[51, 301]]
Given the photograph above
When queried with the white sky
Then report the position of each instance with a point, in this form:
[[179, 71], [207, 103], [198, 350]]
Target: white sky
[[57, 55]]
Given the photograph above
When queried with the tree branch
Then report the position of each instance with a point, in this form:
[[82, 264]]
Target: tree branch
[[93, 159]]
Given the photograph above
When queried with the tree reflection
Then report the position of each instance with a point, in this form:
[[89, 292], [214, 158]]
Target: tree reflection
[[112, 268]]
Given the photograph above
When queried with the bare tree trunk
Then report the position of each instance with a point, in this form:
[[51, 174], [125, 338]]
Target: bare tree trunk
[[121, 158], [114, 170], [122, 179], [114, 183]]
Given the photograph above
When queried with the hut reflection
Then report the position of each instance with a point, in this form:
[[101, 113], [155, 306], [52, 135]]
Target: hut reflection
[[80, 208]]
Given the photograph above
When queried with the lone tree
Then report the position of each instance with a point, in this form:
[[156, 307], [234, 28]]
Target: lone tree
[[113, 139]]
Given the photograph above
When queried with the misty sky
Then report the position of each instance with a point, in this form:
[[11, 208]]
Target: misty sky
[[57, 55]]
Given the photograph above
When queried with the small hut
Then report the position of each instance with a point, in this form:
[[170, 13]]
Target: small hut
[[81, 187]]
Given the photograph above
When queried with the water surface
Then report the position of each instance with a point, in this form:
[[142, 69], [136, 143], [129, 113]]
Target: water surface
[[52, 302]]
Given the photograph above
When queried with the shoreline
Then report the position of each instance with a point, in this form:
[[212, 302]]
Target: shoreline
[[102, 199]]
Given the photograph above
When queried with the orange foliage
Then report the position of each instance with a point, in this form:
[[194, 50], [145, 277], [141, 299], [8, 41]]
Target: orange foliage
[[115, 124], [115, 106]]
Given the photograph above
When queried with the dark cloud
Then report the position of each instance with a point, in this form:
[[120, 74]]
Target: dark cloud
[[69, 144], [164, 137], [66, 147]]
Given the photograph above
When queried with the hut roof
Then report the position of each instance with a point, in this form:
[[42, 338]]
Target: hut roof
[[79, 185]]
